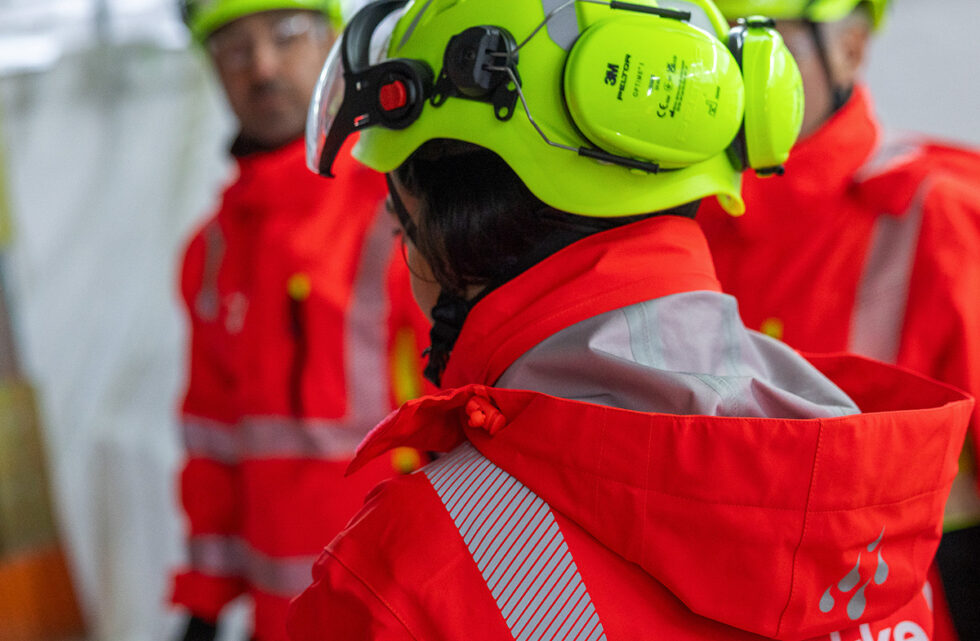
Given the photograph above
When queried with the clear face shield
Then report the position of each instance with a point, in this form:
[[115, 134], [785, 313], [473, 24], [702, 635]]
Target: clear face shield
[[358, 88]]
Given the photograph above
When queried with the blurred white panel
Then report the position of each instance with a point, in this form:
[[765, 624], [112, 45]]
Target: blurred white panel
[[113, 154], [925, 68], [35, 33]]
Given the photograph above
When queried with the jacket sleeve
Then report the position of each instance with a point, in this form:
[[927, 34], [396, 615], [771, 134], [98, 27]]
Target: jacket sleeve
[[340, 606], [207, 482]]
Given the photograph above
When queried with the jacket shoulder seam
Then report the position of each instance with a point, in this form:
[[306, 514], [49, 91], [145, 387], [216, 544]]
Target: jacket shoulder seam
[[373, 592]]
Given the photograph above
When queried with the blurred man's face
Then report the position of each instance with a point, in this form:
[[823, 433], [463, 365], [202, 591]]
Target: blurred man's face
[[269, 63], [846, 44]]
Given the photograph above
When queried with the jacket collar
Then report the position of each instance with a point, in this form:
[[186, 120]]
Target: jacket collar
[[649, 259], [249, 154], [825, 163]]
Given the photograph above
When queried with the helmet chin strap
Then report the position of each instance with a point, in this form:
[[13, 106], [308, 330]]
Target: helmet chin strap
[[839, 95]]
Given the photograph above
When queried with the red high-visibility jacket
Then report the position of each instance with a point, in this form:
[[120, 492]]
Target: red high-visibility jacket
[[303, 336], [870, 243], [626, 510]]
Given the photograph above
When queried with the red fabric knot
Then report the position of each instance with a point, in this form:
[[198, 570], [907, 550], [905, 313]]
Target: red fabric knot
[[484, 414]]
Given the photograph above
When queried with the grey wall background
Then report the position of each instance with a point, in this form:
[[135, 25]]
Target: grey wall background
[[115, 148], [925, 68]]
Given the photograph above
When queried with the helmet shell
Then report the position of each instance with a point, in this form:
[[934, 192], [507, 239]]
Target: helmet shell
[[204, 17], [815, 10], [559, 177]]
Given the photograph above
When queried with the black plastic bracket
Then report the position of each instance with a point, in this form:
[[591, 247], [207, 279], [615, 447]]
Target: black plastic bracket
[[475, 68]]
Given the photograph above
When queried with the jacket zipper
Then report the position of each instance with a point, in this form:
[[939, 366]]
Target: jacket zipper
[[298, 289]]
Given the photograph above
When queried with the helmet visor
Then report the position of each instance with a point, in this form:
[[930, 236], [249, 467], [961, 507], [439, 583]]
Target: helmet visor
[[327, 99], [345, 95]]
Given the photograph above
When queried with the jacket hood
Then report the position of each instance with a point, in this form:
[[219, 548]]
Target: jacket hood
[[787, 528]]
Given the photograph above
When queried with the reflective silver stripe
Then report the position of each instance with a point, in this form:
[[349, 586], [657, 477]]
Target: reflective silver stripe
[[230, 557], [682, 354], [271, 437], [207, 302], [366, 357], [518, 547], [215, 555], [882, 294], [563, 27], [893, 147], [367, 380]]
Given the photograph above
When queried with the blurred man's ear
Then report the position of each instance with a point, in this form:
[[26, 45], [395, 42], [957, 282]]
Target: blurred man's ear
[[850, 39]]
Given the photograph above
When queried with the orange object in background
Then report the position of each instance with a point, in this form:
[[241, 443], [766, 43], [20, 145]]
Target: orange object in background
[[37, 602], [36, 597]]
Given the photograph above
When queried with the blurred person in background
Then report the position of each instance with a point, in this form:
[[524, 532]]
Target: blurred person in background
[[625, 460], [303, 330], [870, 243]]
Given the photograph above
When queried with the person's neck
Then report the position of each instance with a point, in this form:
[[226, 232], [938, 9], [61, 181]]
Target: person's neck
[[244, 145]]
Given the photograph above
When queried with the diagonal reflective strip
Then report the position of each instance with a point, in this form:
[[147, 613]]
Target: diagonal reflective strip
[[270, 437], [882, 294], [231, 557], [518, 547]]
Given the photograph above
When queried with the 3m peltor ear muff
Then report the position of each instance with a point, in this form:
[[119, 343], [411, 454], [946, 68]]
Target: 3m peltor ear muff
[[646, 88], [679, 98], [773, 95]]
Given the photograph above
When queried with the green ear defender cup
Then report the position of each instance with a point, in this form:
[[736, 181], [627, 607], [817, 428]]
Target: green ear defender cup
[[676, 99], [773, 95]]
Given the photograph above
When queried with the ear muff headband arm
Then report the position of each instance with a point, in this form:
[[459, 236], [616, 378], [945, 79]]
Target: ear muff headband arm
[[715, 17]]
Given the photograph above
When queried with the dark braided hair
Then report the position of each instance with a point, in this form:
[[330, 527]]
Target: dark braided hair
[[480, 225]]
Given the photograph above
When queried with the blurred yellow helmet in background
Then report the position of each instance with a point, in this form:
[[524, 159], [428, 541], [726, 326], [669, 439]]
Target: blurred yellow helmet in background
[[812, 10], [204, 17]]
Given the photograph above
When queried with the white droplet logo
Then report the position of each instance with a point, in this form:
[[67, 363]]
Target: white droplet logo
[[857, 604], [881, 572], [852, 578], [858, 601]]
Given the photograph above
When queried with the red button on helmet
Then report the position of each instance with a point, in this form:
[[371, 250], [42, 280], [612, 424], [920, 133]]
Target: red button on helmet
[[393, 96]]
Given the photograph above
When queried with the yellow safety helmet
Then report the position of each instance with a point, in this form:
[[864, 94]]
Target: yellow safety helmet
[[620, 109], [204, 17]]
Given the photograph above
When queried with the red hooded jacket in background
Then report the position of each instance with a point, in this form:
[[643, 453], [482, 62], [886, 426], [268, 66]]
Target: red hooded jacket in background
[[787, 515], [869, 244], [303, 336]]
